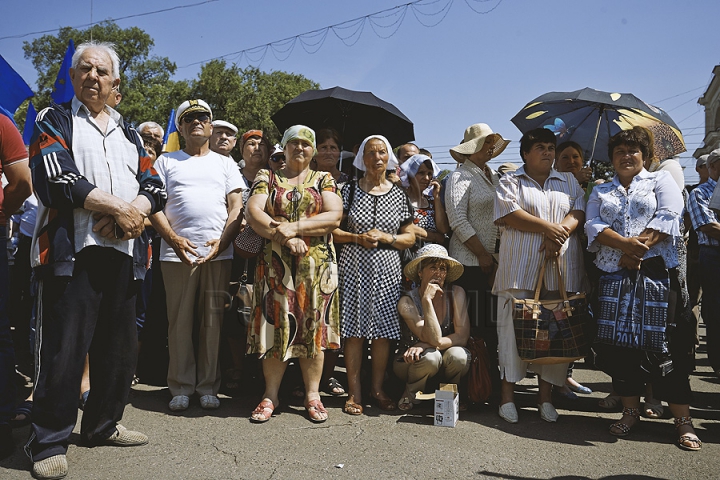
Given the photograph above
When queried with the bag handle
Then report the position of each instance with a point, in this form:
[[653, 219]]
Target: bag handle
[[561, 284], [539, 283]]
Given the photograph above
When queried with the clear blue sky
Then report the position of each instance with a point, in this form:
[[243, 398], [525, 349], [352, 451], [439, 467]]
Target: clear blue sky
[[469, 68]]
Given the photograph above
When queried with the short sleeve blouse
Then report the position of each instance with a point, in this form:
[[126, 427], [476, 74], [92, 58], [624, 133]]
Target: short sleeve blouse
[[651, 201]]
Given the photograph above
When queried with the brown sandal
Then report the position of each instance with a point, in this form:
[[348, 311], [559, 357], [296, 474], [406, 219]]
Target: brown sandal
[[386, 404], [687, 441], [624, 428], [352, 408]]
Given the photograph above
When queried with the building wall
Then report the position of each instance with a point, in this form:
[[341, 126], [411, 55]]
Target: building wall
[[711, 101]]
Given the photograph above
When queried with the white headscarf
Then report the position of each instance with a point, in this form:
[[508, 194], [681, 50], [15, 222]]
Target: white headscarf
[[360, 165], [410, 167]]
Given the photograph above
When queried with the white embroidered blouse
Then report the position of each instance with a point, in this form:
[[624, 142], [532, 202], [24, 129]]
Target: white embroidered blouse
[[652, 201]]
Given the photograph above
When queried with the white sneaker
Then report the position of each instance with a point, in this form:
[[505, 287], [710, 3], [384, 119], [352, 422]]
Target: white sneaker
[[548, 412], [508, 412], [179, 403], [209, 402]]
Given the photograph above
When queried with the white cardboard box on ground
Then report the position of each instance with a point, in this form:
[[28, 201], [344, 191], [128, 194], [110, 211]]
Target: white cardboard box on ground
[[447, 405]]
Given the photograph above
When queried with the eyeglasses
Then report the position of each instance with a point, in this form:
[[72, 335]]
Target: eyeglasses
[[201, 117], [277, 158]]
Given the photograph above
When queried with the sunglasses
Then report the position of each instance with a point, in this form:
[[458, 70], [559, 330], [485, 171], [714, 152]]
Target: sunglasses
[[201, 117], [277, 158]]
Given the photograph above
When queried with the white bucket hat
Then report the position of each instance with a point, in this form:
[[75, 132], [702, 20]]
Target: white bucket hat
[[474, 139]]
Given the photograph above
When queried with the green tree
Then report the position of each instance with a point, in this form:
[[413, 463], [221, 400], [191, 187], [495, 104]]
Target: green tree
[[148, 92], [248, 97]]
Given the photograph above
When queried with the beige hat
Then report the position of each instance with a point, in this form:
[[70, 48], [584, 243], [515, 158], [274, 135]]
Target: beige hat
[[474, 139], [433, 250], [507, 167]]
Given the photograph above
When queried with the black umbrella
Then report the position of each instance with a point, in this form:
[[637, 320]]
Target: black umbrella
[[590, 117], [355, 115]]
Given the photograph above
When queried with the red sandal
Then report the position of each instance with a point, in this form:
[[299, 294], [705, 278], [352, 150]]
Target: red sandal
[[316, 411], [263, 411]]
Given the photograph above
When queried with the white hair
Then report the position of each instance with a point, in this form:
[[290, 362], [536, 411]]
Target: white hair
[[145, 125], [107, 47]]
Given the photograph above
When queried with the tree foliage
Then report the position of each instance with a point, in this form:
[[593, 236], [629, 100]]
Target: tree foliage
[[245, 97], [148, 91], [248, 97]]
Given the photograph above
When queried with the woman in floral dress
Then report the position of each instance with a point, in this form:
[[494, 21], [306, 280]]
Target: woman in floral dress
[[296, 313]]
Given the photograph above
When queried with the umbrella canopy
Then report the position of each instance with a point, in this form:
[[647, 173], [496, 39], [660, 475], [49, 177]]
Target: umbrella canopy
[[590, 117], [355, 115]]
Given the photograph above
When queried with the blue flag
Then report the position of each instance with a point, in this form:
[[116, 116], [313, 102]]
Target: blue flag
[[7, 114], [13, 89], [63, 91], [29, 124]]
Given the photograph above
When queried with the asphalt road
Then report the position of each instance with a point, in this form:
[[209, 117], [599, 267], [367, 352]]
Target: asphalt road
[[198, 444]]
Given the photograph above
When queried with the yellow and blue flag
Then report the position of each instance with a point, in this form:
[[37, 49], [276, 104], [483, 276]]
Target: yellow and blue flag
[[171, 142]]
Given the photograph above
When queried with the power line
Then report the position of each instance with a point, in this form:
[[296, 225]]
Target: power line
[[384, 23], [691, 115], [21, 35], [679, 94]]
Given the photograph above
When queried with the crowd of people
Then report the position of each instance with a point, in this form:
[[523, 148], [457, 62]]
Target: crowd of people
[[391, 260]]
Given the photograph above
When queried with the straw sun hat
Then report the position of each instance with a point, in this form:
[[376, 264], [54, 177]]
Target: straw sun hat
[[433, 250], [474, 139]]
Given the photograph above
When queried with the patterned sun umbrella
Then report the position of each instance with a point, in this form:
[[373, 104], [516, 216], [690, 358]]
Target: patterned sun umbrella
[[590, 117]]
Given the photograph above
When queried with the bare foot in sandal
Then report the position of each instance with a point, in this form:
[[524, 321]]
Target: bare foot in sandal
[[333, 387], [263, 411], [687, 440], [316, 411], [407, 401], [352, 408]]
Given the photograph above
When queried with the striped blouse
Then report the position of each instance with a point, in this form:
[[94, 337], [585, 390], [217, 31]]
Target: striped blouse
[[520, 255]]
